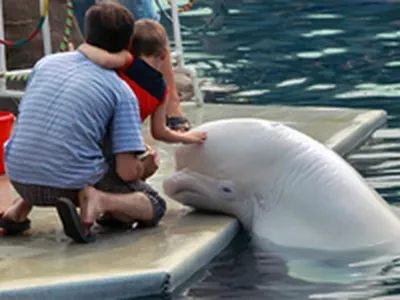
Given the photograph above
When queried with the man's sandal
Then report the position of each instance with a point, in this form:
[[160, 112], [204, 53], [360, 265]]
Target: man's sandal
[[8, 227], [73, 226], [108, 221]]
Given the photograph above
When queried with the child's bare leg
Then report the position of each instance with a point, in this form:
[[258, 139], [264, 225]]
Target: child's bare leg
[[173, 108], [18, 211], [126, 207]]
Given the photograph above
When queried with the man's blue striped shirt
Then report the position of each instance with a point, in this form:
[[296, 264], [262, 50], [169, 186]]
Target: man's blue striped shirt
[[63, 117]]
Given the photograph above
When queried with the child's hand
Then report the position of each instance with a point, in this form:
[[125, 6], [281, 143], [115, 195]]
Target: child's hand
[[195, 137]]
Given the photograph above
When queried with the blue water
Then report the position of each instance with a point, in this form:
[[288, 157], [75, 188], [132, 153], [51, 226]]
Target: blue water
[[308, 52]]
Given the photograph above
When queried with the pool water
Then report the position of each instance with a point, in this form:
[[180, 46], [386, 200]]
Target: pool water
[[300, 52]]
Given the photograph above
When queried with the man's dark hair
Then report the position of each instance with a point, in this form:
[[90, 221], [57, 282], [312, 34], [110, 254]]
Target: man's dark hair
[[109, 26]]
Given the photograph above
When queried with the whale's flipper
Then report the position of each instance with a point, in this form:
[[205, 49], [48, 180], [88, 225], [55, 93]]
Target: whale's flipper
[[320, 272]]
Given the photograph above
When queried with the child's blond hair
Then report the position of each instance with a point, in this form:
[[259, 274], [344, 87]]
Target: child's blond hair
[[150, 38]]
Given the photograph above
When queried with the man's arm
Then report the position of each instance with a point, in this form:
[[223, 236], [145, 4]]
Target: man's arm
[[128, 166], [127, 137], [105, 59]]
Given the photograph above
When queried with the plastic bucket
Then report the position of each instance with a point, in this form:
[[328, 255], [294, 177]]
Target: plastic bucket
[[6, 124]]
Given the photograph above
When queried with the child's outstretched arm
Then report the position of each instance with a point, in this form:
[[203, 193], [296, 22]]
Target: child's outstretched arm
[[103, 58], [161, 132]]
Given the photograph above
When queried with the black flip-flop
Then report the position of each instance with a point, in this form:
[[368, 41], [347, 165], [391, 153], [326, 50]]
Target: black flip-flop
[[177, 123], [73, 226], [113, 223], [8, 227]]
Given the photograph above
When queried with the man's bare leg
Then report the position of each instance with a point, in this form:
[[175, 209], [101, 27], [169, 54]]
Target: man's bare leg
[[126, 207], [18, 211]]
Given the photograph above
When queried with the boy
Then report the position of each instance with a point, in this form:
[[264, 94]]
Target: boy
[[141, 71]]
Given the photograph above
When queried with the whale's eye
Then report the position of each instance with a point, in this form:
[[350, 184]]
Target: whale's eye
[[227, 187]]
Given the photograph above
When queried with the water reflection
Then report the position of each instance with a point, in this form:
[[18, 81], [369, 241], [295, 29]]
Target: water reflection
[[337, 45]]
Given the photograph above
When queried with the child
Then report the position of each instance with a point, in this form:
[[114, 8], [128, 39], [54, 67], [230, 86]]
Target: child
[[141, 71]]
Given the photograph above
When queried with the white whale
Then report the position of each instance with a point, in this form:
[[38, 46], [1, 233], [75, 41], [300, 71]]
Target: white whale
[[285, 188]]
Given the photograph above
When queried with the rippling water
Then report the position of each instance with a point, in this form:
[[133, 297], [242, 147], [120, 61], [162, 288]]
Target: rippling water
[[330, 53]]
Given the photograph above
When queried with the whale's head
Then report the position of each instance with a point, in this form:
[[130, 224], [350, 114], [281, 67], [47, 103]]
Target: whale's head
[[210, 193], [225, 173]]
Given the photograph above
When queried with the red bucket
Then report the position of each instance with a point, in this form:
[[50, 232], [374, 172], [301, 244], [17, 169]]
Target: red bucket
[[6, 124]]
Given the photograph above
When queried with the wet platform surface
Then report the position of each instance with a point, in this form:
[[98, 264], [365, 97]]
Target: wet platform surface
[[45, 264]]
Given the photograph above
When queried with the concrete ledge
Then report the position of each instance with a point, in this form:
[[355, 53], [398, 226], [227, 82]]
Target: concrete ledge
[[102, 285], [44, 264]]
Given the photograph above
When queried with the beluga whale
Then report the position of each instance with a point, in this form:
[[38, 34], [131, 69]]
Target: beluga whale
[[288, 191]]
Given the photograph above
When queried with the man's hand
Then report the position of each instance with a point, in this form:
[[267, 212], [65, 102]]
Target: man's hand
[[151, 151], [150, 164]]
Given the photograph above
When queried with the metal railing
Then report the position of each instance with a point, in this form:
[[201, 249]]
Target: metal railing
[[177, 54]]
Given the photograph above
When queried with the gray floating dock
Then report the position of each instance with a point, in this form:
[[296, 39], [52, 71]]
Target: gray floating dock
[[44, 264]]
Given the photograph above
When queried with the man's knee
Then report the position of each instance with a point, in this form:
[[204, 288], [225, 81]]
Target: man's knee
[[148, 214]]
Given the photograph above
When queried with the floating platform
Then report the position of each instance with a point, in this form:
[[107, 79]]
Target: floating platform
[[45, 264]]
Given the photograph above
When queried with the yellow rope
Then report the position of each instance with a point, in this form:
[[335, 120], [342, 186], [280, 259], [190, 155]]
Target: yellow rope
[[45, 8]]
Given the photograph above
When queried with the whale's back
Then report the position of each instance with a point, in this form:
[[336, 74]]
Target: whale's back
[[322, 201]]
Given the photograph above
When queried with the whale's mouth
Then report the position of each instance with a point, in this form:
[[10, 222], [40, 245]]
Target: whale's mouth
[[183, 193], [180, 183], [190, 188], [206, 193]]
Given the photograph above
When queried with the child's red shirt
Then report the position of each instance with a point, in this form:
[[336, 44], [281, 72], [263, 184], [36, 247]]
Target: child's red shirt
[[147, 83]]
